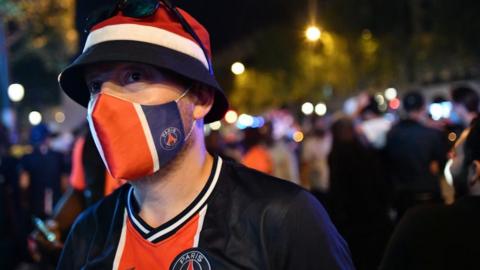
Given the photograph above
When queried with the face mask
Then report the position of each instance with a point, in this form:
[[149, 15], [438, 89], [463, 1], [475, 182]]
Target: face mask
[[135, 140]]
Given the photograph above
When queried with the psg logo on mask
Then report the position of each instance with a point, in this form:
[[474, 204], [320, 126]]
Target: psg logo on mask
[[191, 259], [170, 138]]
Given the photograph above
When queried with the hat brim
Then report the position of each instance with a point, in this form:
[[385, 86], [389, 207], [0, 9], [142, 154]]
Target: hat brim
[[72, 79]]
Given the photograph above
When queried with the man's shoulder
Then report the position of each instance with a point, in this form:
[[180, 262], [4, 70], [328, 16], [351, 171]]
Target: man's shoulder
[[255, 191]]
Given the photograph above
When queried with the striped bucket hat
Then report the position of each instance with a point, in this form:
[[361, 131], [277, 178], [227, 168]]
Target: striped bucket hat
[[150, 32]]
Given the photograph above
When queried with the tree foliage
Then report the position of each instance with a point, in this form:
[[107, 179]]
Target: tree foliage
[[365, 45], [41, 39]]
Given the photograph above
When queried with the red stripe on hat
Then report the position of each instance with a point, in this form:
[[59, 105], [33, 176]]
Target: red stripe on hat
[[164, 20]]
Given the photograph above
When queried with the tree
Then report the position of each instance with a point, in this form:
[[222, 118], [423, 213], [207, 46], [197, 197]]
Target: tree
[[41, 38]]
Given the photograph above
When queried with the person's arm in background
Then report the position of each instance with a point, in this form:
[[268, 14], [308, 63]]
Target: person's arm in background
[[72, 202], [67, 209]]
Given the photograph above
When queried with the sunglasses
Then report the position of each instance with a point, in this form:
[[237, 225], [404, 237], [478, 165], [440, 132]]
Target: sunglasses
[[142, 9]]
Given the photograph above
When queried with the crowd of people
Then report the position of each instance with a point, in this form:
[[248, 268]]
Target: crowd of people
[[367, 180], [366, 169]]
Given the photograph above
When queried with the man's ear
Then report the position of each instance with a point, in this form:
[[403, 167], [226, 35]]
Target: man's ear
[[203, 99]]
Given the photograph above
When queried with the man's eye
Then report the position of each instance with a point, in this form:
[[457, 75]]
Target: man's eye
[[133, 77], [94, 87]]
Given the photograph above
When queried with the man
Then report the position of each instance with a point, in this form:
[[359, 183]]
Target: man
[[444, 237], [415, 153], [465, 103], [466, 106], [42, 174], [148, 68], [373, 125]]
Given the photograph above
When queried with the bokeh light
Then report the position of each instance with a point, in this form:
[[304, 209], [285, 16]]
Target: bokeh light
[[215, 125], [391, 93], [321, 109], [238, 68], [307, 108], [60, 117], [35, 118], [313, 33], [298, 136], [231, 117], [16, 92]]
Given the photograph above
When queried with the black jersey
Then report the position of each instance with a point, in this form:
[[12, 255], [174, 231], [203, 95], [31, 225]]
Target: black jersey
[[242, 219]]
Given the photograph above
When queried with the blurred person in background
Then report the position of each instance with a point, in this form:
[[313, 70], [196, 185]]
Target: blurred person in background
[[415, 154], [284, 160], [215, 143], [89, 182], [315, 171], [43, 174], [12, 228], [443, 237], [256, 154], [465, 101], [358, 198], [373, 125]]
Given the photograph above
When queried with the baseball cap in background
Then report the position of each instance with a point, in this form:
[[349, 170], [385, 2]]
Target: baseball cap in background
[[158, 34], [413, 101]]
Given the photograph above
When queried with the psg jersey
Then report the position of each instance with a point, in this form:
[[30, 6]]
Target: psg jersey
[[242, 219]]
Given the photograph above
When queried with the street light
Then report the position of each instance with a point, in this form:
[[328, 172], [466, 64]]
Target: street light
[[231, 117], [307, 108], [321, 109], [244, 121], [35, 118], [238, 68], [391, 93], [313, 33], [216, 125], [16, 92]]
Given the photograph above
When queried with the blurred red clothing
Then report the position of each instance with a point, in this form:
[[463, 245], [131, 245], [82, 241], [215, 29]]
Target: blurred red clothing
[[77, 177], [258, 158]]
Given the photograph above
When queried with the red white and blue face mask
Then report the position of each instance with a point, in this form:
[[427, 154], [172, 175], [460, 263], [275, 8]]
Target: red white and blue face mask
[[135, 140]]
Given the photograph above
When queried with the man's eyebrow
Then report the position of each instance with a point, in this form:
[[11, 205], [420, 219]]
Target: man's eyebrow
[[98, 70]]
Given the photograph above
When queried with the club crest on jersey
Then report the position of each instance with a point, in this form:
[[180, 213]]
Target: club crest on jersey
[[191, 259], [170, 138]]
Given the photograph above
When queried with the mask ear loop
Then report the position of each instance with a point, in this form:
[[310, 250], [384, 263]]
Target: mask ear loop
[[194, 121], [184, 94], [191, 130]]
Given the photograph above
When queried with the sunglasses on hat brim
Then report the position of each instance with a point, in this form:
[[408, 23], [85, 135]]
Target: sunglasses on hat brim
[[142, 9]]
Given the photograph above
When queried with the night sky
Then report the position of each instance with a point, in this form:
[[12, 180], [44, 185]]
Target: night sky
[[227, 21]]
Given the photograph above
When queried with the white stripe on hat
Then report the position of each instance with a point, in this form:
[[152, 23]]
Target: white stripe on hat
[[148, 34]]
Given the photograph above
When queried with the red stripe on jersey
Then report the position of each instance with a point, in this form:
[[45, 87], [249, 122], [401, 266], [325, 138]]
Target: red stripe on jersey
[[139, 253], [132, 156]]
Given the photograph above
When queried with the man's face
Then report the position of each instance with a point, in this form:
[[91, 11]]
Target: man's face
[[134, 82], [145, 85]]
